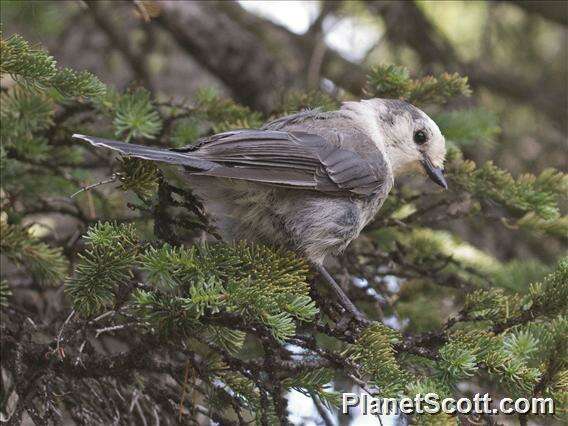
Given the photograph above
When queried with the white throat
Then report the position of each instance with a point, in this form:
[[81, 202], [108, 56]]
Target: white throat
[[401, 162]]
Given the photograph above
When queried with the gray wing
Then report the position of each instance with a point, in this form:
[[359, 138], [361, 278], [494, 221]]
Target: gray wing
[[161, 155], [294, 159], [290, 159]]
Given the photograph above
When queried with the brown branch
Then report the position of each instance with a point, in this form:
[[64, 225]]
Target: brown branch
[[298, 48], [233, 54], [119, 40], [555, 10], [322, 411], [250, 46], [417, 32]]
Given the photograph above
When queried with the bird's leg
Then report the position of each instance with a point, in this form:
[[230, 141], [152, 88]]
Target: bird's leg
[[340, 294]]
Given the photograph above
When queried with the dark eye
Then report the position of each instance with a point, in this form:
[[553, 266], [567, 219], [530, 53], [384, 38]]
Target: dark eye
[[420, 137]]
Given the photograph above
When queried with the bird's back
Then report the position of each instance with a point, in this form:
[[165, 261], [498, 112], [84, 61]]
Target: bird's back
[[312, 222], [336, 127]]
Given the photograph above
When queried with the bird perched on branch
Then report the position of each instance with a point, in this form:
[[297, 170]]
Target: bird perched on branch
[[309, 181]]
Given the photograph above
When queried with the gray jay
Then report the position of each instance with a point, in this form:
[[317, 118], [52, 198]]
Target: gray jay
[[309, 181]]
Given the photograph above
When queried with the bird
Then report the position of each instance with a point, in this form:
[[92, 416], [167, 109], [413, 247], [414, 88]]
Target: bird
[[309, 181]]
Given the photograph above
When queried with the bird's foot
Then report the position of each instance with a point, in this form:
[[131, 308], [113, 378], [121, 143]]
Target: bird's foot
[[345, 302]]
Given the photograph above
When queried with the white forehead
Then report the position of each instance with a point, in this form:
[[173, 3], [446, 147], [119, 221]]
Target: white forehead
[[391, 109], [392, 115], [431, 125]]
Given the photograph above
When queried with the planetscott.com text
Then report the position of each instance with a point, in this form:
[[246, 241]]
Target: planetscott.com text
[[432, 403]]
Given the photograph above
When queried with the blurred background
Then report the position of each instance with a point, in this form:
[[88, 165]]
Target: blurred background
[[515, 54]]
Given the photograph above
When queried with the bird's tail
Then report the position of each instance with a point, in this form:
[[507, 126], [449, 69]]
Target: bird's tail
[[187, 159]]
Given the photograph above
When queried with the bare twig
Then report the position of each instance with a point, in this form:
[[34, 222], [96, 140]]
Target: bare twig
[[113, 178], [60, 334]]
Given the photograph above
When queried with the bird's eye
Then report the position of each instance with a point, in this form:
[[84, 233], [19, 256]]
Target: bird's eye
[[420, 137]]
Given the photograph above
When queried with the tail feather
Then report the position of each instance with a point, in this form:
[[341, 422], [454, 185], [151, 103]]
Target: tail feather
[[149, 153]]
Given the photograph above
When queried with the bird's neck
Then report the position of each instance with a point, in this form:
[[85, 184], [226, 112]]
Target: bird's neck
[[400, 161], [363, 114]]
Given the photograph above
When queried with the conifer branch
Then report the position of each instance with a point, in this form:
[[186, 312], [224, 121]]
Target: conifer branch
[[248, 320]]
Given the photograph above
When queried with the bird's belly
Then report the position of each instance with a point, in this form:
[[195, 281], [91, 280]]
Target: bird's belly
[[311, 223], [320, 225]]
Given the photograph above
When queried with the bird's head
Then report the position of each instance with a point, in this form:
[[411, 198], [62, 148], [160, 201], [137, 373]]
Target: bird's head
[[412, 140]]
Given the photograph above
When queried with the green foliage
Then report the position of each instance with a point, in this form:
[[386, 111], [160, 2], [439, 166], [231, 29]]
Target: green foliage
[[521, 350], [25, 116], [167, 315], [29, 156], [24, 113], [518, 358], [469, 126], [374, 352], [33, 68], [136, 116], [104, 267], [552, 359], [20, 60], [315, 383], [45, 264], [456, 362], [254, 281], [551, 295], [138, 176], [532, 201], [257, 282], [467, 353], [249, 396], [491, 304], [424, 385], [225, 114], [549, 298], [77, 84], [391, 81], [520, 345], [186, 132], [169, 267], [295, 101], [517, 275], [230, 340], [5, 293]]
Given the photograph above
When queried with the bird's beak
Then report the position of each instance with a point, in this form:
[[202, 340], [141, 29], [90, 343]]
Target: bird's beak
[[434, 173]]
